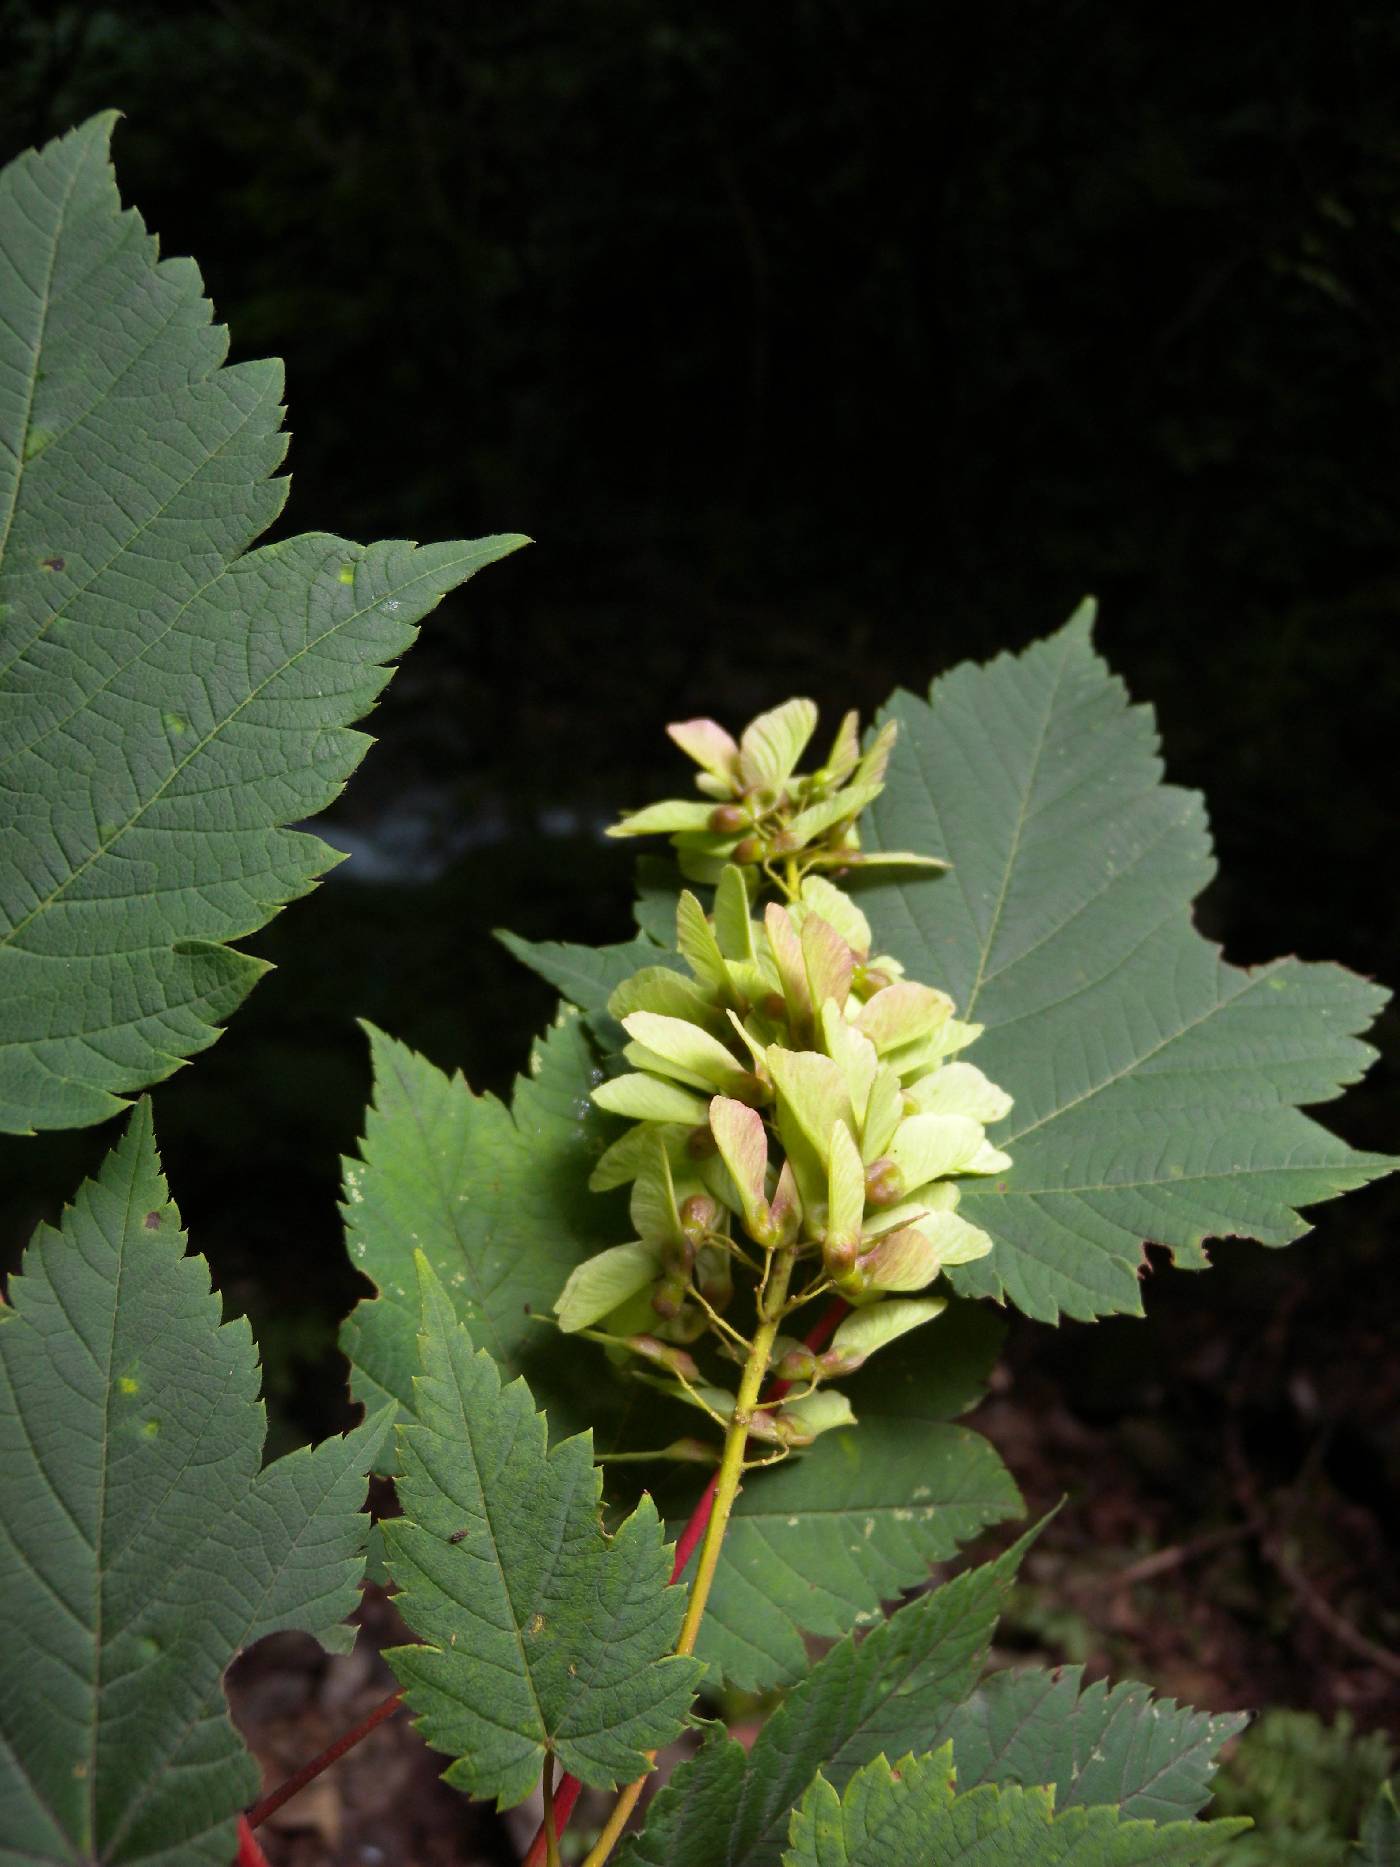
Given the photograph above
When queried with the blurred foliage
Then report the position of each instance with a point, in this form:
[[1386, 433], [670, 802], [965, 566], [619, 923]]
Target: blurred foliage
[[1306, 1785]]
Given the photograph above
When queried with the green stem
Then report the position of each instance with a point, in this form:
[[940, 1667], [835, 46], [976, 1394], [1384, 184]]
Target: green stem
[[772, 1300], [731, 1463], [639, 1458]]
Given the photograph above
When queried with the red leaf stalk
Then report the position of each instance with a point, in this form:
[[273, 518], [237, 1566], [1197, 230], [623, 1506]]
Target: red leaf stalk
[[249, 1853], [310, 1771]]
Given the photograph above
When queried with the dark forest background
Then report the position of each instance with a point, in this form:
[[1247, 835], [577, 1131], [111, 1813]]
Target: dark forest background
[[820, 345]]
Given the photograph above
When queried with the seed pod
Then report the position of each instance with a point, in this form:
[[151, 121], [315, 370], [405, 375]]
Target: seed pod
[[664, 1354], [699, 1215], [791, 1432], [728, 820], [750, 850], [854, 1282], [839, 1255], [700, 1144], [668, 1295], [678, 1255], [798, 1364], [765, 1426], [688, 1326], [836, 1362], [884, 1183], [752, 1089]]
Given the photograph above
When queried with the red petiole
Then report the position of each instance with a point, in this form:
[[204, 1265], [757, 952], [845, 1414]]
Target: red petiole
[[249, 1853], [310, 1771]]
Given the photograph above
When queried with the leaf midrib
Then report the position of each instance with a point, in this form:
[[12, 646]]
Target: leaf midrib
[[468, 1441], [99, 1573]]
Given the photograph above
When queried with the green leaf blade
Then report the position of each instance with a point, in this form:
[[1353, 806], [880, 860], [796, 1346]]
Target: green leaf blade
[[168, 706], [1150, 1758], [862, 1700], [912, 1816], [542, 1635], [1154, 1083], [142, 1545], [498, 1201]]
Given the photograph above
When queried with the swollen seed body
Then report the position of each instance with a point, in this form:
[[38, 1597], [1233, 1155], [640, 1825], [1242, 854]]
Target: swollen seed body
[[839, 1256], [884, 1183], [699, 1215], [836, 1362], [668, 1297], [665, 1355], [728, 820]]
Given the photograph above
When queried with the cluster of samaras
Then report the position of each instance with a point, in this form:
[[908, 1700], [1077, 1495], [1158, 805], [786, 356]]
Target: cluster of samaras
[[789, 1092]]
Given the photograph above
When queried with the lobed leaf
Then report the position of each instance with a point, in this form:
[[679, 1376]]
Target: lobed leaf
[[912, 1816], [881, 1694], [1155, 1085], [170, 702], [496, 1198], [141, 1546], [1149, 1757], [543, 1634]]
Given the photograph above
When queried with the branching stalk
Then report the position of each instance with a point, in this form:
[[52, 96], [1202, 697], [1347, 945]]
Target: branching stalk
[[772, 1301], [727, 1485], [718, 1321], [695, 1528], [773, 1458]]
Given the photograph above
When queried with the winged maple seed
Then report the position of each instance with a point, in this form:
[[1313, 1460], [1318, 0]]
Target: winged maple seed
[[762, 811], [794, 1093]]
